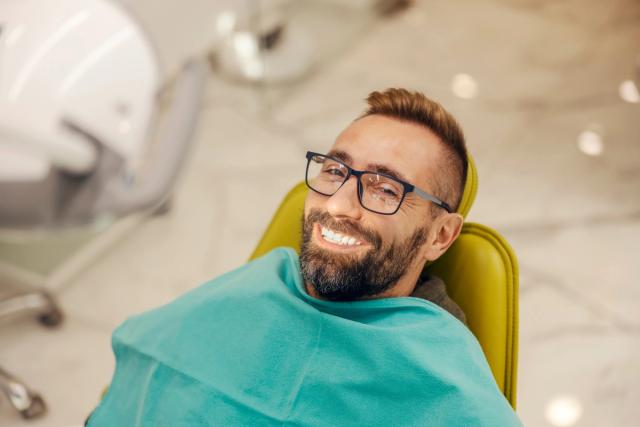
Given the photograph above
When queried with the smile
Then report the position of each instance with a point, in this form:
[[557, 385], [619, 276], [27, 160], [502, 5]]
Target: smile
[[338, 238]]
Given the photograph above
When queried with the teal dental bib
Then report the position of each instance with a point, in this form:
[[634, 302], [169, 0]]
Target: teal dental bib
[[252, 348]]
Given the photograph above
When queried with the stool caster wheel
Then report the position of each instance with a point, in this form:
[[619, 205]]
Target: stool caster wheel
[[52, 318], [35, 409], [26, 401], [163, 208]]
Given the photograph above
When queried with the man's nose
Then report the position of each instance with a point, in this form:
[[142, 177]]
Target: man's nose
[[344, 203]]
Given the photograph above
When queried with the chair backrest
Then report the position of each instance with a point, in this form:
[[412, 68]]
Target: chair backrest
[[480, 270]]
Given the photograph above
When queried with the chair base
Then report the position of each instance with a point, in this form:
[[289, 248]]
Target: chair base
[[22, 398], [26, 401], [33, 301]]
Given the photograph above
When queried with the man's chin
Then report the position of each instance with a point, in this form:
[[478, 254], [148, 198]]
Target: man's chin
[[336, 276]]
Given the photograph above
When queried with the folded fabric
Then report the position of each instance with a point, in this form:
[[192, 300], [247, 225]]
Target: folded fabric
[[252, 348]]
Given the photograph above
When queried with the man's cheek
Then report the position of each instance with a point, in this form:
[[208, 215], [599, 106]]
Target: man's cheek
[[313, 201]]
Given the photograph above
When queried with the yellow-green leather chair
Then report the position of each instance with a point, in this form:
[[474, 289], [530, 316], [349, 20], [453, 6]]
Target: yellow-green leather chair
[[480, 271]]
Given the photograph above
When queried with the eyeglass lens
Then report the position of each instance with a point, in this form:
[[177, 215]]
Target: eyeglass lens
[[379, 193]]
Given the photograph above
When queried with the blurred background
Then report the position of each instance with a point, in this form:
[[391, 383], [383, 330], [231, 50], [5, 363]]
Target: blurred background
[[547, 93]]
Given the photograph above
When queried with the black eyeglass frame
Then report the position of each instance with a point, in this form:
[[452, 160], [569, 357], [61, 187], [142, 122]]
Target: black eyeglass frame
[[408, 188]]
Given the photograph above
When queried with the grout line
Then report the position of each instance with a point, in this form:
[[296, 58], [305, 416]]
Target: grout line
[[632, 217], [572, 330], [594, 306]]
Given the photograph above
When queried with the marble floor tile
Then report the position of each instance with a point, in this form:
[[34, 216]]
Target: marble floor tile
[[439, 50], [573, 347], [597, 367], [594, 264], [541, 175], [69, 366]]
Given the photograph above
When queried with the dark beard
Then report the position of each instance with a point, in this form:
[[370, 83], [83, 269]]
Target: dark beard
[[346, 277]]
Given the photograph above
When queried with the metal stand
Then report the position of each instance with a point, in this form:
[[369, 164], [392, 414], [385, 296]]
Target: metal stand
[[29, 403], [27, 296], [38, 301]]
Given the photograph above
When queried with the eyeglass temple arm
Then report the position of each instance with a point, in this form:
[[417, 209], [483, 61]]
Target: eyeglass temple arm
[[435, 200]]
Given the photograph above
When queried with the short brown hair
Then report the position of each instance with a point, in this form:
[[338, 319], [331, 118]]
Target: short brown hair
[[417, 108]]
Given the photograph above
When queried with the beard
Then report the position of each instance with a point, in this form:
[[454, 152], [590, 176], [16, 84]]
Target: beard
[[348, 277]]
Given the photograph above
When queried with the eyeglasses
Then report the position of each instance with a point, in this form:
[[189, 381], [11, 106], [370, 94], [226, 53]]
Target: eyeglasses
[[377, 192]]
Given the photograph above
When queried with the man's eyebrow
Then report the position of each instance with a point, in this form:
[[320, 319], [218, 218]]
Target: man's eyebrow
[[340, 155], [371, 167]]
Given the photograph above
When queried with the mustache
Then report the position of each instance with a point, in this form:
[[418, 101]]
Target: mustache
[[345, 226]]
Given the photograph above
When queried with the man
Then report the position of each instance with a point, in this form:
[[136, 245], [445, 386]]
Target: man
[[341, 335]]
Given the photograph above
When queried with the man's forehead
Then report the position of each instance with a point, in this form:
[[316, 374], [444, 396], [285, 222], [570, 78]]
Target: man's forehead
[[399, 148]]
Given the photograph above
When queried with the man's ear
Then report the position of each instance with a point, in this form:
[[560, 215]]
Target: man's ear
[[444, 231]]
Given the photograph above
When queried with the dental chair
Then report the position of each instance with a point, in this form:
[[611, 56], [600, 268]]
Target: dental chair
[[89, 134], [480, 270]]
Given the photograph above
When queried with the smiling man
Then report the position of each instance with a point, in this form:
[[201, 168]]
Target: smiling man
[[370, 236], [348, 333]]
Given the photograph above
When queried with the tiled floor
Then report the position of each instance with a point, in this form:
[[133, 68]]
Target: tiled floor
[[546, 71]]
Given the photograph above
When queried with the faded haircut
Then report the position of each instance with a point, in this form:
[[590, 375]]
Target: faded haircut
[[415, 107]]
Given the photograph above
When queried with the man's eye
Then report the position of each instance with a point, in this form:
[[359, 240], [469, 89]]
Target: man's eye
[[334, 171], [390, 192], [387, 191]]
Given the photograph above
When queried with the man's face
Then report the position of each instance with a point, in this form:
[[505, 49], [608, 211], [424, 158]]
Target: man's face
[[380, 250]]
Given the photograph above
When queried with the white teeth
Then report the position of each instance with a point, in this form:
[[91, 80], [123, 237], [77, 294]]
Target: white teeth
[[338, 238]]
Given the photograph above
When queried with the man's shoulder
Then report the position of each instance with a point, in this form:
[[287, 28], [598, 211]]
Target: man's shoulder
[[433, 288]]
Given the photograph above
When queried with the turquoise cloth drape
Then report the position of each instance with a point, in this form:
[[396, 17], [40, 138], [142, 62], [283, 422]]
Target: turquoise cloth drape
[[252, 348]]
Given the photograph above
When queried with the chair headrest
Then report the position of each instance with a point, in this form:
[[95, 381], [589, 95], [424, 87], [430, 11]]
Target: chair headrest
[[470, 188]]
